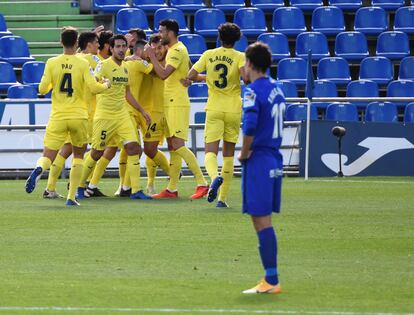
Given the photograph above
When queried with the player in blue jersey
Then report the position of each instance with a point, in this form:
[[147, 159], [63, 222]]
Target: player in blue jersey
[[263, 107]]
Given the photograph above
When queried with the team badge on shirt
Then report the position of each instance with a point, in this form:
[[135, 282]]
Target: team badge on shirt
[[98, 67], [249, 98]]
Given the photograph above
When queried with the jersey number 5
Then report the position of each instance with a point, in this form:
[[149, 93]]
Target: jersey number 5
[[222, 82], [278, 111], [66, 84]]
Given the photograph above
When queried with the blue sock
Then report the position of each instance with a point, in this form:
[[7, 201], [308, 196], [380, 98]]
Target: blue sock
[[268, 254]]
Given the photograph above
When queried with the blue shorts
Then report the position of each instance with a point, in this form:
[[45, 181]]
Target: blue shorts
[[262, 183]]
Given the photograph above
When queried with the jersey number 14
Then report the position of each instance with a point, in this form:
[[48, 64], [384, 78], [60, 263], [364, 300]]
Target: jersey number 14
[[278, 111]]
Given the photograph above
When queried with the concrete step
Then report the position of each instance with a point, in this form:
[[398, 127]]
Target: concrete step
[[21, 21], [39, 7], [37, 48], [31, 34]]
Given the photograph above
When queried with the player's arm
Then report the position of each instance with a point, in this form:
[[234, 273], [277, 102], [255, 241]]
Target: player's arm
[[133, 102], [162, 72], [250, 118], [93, 85], [197, 68], [46, 81]]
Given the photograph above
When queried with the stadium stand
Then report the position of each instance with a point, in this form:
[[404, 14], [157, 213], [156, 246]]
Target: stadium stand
[[381, 112], [371, 20], [401, 88], [314, 41], [323, 88], [362, 88], [406, 70], [171, 13], [7, 77], [306, 5], [131, 18], [188, 6], [198, 90], [292, 69], [388, 4], [32, 72], [109, 6], [377, 69], [252, 21], [328, 20], [206, 21], [342, 112], [404, 20], [278, 44], [149, 6], [297, 112], [21, 91], [346, 5], [289, 88], [393, 45], [289, 21], [3, 27], [200, 117], [267, 5], [195, 44], [409, 113], [351, 46], [14, 49], [334, 69], [228, 5]]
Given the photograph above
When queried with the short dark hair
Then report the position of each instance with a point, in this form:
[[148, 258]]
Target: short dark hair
[[117, 37], [69, 36], [229, 33], [139, 32], [104, 38], [170, 25], [154, 38], [260, 56], [140, 43], [85, 38]]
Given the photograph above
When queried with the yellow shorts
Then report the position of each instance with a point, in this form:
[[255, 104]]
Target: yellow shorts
[[158, 129], [222, 126], [109, 133], [57, 132], [178, 121], [90, 129]]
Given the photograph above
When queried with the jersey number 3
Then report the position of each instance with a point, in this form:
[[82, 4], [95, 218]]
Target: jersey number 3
[[222, 82], [66, 84], [278, 111]]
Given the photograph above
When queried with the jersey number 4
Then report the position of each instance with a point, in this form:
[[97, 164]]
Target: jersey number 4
[[66, 84], [222, 82], [278, 111]]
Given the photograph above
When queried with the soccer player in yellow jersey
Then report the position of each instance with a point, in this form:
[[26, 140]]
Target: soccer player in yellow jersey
[[177, 109], [67, 75], [134, 35], [104, 51], [224, 66], [112, 120]]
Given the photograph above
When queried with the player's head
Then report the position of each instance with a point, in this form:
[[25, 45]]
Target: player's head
[[88, 42], [168, 30], [139, 48], [103, 40], [258, 58], [69, 37], [118, 45], [160, 48], [229, 34], [137, 34]]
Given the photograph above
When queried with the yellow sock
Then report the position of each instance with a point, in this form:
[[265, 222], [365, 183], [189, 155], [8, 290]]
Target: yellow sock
[[175, 168], [210, 161], [55, 170], [151, 171], [192, 163], [75, 177], [227, 174], [89, 165], [44, 163], [99, 171], [122, 166], [134, 171], [84, 158], [161, 160]]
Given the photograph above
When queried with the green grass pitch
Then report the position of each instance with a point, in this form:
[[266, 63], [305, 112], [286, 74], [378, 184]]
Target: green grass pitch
[[346, 247]]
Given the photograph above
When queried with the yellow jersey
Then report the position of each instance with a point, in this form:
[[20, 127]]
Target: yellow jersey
[[157, 92], [68, 75], [223, 78], [175, 94], [111, 104]]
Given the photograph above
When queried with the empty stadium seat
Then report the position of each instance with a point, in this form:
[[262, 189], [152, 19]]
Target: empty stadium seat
[[381, 112], [292, 69], [21, 91], [362, 88], [393, 45], [371, 20], [109, 6], [406, 68], [289, 88], [404, 20], [7, 77], [200, 117], [240, 45], [351, 46], [228, 5], [328, 20], [267, 5], [346, 5], [289, 21], [314, 41], [32, 72], [278, 44], [377, 69], [207, 21], [297, 112], [195, 44], [171, 13], [334, 69], [198, 90], [341, 112], [3, 27], [323, 88], [401, 88], [388, 4], [251, 21], [409, 113], [149, 5], [306, 5], [131, 18], [188, 5], [14, 49]]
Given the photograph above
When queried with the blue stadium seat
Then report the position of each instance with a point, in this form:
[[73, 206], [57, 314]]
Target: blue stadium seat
[[404, 20], [200, 117], [346, 5], [401, 88], [198, 90], [377, 69], [149, 5], [323, 88], [315, 41], [388, 4], [292, 69], [171, 13], [334, 69], [297, 112], [228, 5], [267, 5], [393, 45], [131, 18], [195, 44], [288, 88], [406, 68], [371, 20], [306, 5], [289, 21], [278, 44], [351, 46], [251, 21], [240, 45], [14, 49], [7, 77], [409, 113], [328, 20], [109, 6], [32, 72], [381, 112], [3, 27], [341, 112], [362, 88], [189, 6], [21, 91], [207, 21]]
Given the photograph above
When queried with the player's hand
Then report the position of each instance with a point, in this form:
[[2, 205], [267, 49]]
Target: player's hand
[[132, 57], [244, 156], [107, 82], [147, 117], [129, 38], [99, 29], [149, 51], [186, 82]]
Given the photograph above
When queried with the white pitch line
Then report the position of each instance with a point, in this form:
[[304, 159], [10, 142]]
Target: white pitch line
[[358, 181], [177, 310]]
